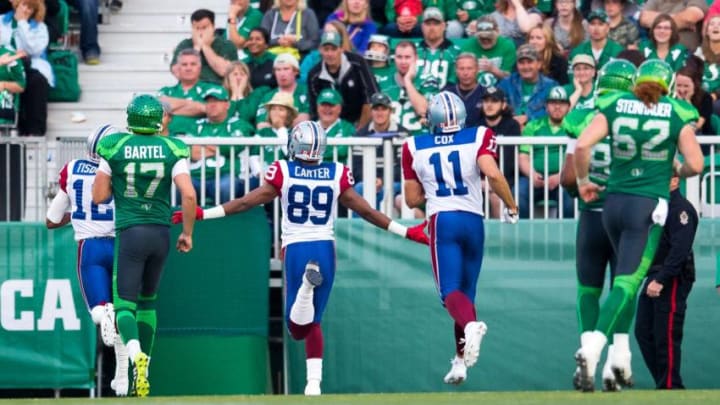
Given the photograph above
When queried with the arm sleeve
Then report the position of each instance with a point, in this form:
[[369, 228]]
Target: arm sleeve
[[35, 40], [681, 227], [346, 180], [63, 178], [407, 164], [58, 206], [180, 167], [274, 176], [488, 145], [105, 167], [309, 31]]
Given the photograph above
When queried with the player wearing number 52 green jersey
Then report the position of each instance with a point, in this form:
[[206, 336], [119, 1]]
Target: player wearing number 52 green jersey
[[137, 169], [646, 129]]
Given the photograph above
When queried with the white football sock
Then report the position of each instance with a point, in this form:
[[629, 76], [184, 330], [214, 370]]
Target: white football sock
[[133, 348], [302, 311], [621, 341], [314, 369]]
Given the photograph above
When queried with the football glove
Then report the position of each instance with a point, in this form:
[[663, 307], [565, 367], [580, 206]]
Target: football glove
[[509, 217], [177, 216], [417, 233]]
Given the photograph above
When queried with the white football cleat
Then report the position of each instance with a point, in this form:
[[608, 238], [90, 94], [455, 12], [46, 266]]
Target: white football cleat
[[121, 383], [608, 377], [457, 373], [474, 332], [107, 326], [313, 387], [621, 365], [312, 278]]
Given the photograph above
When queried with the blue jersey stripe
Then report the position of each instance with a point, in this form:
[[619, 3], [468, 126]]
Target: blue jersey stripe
[[462, 137]]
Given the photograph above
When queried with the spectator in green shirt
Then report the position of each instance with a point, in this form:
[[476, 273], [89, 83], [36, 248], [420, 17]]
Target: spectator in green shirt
[[216, 52], [495, 54], [241, 19], [330, 104], [664, 42], [582, 89], [541, 169], [600, 47]]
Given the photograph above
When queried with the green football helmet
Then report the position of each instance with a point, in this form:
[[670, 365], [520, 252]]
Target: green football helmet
[[655, 71], [144, 114], [617, 74]]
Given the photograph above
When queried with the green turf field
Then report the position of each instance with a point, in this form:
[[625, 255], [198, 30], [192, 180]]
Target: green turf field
[[633, 397]]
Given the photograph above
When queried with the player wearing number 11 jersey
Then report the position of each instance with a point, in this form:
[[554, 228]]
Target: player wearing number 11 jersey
[[443, 169], [309, 191], [646, 129]]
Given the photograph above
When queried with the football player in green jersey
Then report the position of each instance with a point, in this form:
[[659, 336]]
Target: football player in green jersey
[[593, 250], [137, 170], [647, 128]]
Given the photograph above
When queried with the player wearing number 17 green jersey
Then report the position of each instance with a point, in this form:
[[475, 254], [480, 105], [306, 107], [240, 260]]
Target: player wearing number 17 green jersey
[[137, 169], [646, 129]]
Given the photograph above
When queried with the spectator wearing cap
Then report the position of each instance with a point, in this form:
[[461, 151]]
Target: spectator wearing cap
[[281, 113], [497, 115], [600, 47], [241, 20], [554, 63], [622, 30], [355, 15], [687, 14], [409, 90], [258, 59], [214, 160], [663, 43], [436, 53], [467, 87], [535, 175], [495, 53], [382, 122], [459, 14], [186, 96], [403, 18], [527, 88], [345, 72], [515, 18], [313, 58], [582, 89], [216, 52], [286, 70], [378, 57], [330, 105]]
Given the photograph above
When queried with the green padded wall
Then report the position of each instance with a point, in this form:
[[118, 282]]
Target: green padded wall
[[386, 331]]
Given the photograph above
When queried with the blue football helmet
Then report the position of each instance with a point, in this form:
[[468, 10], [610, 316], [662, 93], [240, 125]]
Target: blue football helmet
[[94, 138], [307, 142], [446, 113]]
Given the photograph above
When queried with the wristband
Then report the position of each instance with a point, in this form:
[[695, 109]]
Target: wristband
[[581, 181], [397, 229], [214, 212], [231, 21]]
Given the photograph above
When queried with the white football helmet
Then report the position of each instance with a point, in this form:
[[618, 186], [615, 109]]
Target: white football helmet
[[446, 113], [374, 55], [307, 142], [94, 138]]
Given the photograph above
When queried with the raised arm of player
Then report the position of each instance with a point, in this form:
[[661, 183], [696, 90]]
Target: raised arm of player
[[689, 148], [57, 214]]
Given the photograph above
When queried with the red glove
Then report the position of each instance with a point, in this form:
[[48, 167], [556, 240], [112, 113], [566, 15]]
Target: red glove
[[417, 233], [177, 216]]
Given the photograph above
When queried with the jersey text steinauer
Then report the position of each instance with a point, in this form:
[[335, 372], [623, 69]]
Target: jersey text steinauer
[[639, 108]]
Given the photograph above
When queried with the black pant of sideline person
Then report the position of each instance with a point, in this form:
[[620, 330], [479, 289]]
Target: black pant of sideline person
[[32, 119], [663, 298]]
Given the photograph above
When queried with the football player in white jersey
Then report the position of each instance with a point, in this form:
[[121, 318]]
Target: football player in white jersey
[[442, 170], [309, 190], [94, 228]]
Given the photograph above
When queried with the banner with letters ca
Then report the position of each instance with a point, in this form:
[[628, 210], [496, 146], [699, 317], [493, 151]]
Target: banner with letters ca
[[47, 339]]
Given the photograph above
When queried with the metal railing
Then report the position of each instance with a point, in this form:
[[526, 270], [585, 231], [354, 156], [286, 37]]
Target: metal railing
[[23, 162]]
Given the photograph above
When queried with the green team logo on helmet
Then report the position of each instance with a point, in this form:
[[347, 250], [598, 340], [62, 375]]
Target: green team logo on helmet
[[144, 114], [617, 74], [558, 93], [655, 71], [486, 79]]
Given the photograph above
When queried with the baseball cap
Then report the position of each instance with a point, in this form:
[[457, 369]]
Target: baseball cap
[[286, 59], [380, 99], [598, 13], [329, 96], [558, 93], [486, 27], [217, 92], [330, 38], [433, 13], [527, 51], [582, 59], [494, 93]]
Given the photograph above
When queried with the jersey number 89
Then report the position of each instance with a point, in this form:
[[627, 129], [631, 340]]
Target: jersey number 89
[[305, 203]]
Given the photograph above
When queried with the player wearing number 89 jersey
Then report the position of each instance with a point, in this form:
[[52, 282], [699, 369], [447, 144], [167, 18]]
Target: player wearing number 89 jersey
[[646, 128], [309, 191], [441, 169]]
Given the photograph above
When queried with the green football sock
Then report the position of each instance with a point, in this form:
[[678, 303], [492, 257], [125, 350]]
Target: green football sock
[[588, 307], [147, 323], [125, 319]]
